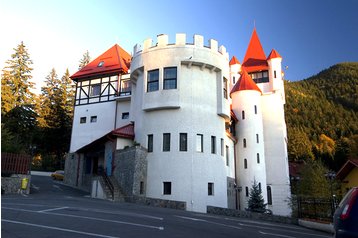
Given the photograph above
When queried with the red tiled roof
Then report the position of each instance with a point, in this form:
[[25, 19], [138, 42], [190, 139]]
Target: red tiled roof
[[245, 83], [114, 60], [274, 54], [124, 131], [255, 58], [234, 60], [347, 168]]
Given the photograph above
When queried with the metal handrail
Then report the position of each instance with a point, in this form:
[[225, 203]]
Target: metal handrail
[[109, 183]]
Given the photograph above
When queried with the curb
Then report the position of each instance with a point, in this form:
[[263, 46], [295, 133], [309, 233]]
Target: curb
[[317, 226]]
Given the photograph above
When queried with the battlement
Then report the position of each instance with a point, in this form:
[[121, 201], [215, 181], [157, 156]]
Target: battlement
[[180, 40]]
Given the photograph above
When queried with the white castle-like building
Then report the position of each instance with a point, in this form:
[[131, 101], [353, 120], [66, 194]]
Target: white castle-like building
[[209, 126]]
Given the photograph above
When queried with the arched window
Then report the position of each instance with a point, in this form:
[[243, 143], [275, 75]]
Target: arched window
[[245, 163]]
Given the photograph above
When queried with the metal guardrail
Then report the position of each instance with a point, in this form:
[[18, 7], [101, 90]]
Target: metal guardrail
[[108, 183]]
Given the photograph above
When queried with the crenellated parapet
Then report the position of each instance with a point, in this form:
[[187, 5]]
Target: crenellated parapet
[[180, 40]]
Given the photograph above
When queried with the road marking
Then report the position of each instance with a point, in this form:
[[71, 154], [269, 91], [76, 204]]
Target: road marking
[[89, 218], [35, 187], [120, 213], [276, 235], [211, 222], [58, 187], [58, 228], [270, 228], [191, 218], [53, 209]]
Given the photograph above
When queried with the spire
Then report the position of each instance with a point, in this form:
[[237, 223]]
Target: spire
[[113, 60], [234, 60], [274, 54], [255, 58], [245, 83]]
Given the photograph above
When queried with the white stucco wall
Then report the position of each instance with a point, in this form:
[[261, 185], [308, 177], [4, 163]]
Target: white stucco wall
[[83, 134]]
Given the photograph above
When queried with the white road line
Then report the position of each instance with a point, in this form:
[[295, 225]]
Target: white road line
[[58, 187], [286, 230], [120, 213], [89, 218], [211, 222], [53, 209], [58, 228], [276, 235]]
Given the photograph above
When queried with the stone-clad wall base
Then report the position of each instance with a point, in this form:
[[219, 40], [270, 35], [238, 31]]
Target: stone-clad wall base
[[253, 215], [10, 185], [155, 202]]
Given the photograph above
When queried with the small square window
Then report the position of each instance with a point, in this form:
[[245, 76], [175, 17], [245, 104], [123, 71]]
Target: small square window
[[210, 189], [93, 119], [167, 188], [125, 115], [83, 120]]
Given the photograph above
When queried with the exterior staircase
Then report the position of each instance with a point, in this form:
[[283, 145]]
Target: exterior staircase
[[111, 188]]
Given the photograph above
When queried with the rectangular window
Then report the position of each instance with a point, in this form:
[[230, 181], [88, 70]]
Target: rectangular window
[[153, 80], [246, 191], [227, 155], [257, 138], [255, 109], [258, 158], [125, 115], [222, 146], [243, 115], [95, 90], [199, 143], [260, 187], [245, 163], [170, 78], [269, 195], [211, 189], [126, 87], [274, 73], [166, 142], [141, 187], [244, 143], [183, 142], [213, 144], [167, 188], [83, 120], [225, 87], [150, 143], [93, 119]]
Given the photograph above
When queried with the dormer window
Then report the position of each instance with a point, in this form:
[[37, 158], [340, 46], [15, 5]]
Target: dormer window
[[100, 64]]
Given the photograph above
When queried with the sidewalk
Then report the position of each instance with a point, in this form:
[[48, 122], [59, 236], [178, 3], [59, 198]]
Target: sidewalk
[[41, 173], [317, 226]]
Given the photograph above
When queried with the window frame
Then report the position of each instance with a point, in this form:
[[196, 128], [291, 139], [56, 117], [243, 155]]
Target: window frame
[[225, 88], [93, 90], [183, 141], [227, 155], [210, 189], [83, 120], [200, 143], [166, 142], [150, 139], [167, 188], [245, 163], [154, 81], [125, 115], [167, 80], [93, 119], [213, 144]]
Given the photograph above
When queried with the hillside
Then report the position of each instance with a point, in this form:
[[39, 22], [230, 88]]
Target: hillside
[[322, 115]]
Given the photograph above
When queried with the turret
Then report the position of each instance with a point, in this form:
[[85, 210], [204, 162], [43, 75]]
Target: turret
[[235, 69], [250, 151], [275, 72]]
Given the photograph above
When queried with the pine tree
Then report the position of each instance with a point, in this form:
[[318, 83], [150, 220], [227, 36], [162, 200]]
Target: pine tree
[[56, 115], [18, 102], [85, 60], [256, 200]]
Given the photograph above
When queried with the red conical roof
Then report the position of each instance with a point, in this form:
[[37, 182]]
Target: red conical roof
[[255, 58], [112, 61], [274, 54], [245, 83], [234, 60]]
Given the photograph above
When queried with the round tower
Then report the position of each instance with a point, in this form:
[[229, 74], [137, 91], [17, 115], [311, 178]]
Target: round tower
[[250, 151], [180, 105], [274, 61]]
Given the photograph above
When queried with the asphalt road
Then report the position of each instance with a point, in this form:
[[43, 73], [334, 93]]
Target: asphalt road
[[55, 210]]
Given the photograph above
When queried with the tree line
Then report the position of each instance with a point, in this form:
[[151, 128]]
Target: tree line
[[39, 125]]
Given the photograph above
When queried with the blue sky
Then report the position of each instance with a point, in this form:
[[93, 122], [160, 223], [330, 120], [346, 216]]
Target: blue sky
[[310, 35]]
